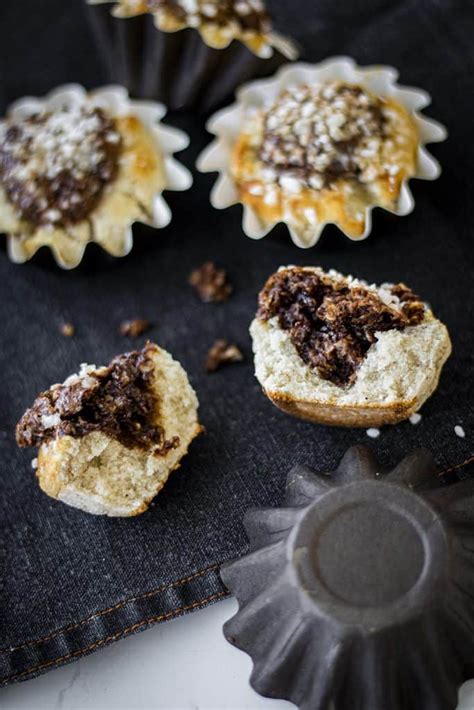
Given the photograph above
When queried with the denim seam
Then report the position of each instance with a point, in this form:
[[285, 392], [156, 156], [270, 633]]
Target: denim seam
[[116, 636], [103, 612], [457, 466]]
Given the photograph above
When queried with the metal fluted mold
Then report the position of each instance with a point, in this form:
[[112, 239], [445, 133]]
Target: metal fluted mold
[[359, 593]]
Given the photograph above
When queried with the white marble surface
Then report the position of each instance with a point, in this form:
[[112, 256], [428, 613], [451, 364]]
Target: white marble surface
[[183, 664]]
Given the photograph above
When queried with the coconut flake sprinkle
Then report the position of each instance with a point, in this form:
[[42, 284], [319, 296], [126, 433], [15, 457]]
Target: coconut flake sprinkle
[[373, 433]]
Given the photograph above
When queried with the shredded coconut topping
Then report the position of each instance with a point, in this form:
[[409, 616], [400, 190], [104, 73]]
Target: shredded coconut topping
[[54, 165], [314, 135]]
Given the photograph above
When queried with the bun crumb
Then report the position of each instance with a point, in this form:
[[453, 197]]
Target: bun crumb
[[397, 373], [104, 471]]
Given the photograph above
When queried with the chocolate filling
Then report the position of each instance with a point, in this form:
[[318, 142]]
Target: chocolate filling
[[117, 400], [331, 325], [55, 165], [248, 15]]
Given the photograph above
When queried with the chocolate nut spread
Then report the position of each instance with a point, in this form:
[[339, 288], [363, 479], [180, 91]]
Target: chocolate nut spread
[[331, 324], [55, 165], [117, 400], [315, 135]]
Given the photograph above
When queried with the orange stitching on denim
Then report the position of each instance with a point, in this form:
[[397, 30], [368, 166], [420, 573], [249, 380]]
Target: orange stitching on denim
[[103, 612], [115, 637], [456, 466]]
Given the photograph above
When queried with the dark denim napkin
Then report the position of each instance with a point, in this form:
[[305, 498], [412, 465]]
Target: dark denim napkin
[[71, 582]]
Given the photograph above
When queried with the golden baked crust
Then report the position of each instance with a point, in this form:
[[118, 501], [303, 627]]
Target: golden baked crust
[[343, 202], [127, 198], [366, 415]]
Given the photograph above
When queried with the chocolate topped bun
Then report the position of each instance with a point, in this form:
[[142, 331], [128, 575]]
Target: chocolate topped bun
[[336, 350], [109, 437], [320, 144], [325, 153], [82, 167]]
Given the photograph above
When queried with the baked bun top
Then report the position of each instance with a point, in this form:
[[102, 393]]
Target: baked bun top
[[79, 167]]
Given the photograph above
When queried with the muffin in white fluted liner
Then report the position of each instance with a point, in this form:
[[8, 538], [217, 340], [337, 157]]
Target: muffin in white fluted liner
[[218, 22], [79, 167], [320, 144], [187, 53]]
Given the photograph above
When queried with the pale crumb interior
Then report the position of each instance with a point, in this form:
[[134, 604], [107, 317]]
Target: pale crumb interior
[[400, 366]]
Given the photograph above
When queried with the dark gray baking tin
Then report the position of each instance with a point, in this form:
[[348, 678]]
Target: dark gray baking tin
[[176, 68], [358, 594]]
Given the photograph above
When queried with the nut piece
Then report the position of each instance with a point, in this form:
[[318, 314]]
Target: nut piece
[[210, 283], [221, 353], [134, 328], [67, 329]]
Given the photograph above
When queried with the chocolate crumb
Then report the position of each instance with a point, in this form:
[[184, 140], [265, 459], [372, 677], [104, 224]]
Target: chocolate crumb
[[134, 328], [167, 445], [221, 353], [211, 283], [67, 329]]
